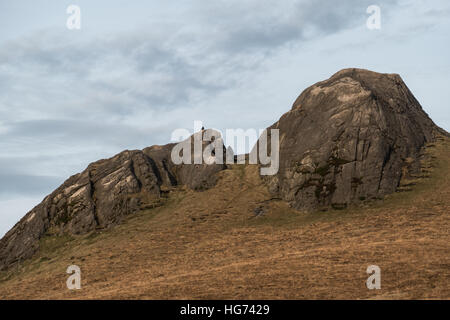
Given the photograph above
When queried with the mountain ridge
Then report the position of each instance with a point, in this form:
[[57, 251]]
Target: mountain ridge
[[110, 189]]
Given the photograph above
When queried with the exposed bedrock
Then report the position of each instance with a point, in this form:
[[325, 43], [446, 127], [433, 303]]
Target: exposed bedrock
[[349, 138]]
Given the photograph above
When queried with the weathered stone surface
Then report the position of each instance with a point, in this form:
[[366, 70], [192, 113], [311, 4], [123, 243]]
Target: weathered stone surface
[[195, 176], [345, 139], [348, 138], [101, 196]]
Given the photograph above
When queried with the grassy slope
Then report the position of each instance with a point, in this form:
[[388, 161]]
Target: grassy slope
[[211, 245]]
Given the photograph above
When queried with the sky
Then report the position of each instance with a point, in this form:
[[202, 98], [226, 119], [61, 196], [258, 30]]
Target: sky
[[137, 70]]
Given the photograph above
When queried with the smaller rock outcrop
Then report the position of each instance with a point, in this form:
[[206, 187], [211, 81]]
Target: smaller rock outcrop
[[103, 194]]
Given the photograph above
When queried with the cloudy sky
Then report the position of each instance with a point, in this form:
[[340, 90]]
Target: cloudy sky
[[137, 70]]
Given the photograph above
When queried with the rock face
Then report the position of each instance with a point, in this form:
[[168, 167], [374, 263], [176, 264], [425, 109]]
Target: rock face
[[345, 139], [102, 195], [349, 138], [196, 176]]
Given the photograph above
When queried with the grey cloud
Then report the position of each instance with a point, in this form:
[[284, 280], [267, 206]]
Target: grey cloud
[[20, 184], [165, 67], [266, 25], [95, 78], [73, 132]]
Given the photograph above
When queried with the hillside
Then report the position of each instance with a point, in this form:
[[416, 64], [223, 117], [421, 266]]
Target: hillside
[[212, 245], [362, 180]]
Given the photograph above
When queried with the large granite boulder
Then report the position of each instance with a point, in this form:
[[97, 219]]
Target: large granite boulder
[[349, 138]]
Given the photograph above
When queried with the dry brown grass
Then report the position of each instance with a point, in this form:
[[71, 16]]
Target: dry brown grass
[[211, 245]]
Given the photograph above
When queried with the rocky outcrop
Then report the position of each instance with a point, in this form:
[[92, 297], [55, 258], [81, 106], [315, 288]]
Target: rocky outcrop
[[102, 195], [196, 176], [348, 139]]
